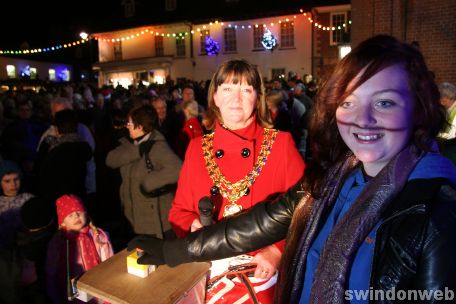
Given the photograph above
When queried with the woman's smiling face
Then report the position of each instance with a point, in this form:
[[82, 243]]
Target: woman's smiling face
[[376, 120]]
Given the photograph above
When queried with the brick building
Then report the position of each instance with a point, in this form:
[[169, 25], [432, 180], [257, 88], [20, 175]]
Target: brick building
[[430, 23], [328, 45]]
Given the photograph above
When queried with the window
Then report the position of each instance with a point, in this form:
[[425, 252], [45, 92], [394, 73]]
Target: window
[[143, 75], [258, 32], [118, 50], [230, 40], [203, 35], [170, 5], [341, 28], [52, 74], [287, 34], [33, 73], [180, 47], [159, 51], [278, 73], [129, 8], [64, 75], [25, 71], [11, 71]]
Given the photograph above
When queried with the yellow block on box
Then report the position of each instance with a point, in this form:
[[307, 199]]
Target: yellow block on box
[[137, 269]]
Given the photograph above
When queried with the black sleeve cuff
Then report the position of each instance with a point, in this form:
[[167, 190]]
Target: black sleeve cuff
[[176, 252]]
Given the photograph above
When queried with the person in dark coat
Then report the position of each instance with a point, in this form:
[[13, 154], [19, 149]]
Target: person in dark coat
[[281, 118], [22, 279], [62, 160]]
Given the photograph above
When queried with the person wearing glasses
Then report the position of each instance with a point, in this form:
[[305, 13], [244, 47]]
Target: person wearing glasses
[[149, 171]]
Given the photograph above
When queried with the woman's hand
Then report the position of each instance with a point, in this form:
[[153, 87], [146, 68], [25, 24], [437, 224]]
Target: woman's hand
[[196, 225], [152, 247], [267, 260]]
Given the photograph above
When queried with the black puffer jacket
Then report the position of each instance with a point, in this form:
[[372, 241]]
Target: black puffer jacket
[[415, 246]]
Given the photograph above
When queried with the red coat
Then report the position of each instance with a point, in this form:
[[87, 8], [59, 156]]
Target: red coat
[[191, 129], [283, 168]]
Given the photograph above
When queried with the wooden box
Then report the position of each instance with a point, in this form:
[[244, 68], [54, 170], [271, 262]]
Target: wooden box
[[110, 281]]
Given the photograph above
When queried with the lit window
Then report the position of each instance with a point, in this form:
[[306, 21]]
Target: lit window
[[123, 82], [230, 40], [278, 73], [258, 32], [340, 29], [203, 35], [52, 74], [159, 51], [159, 79], [25, 71], [64, 75], [11, 71], [287, 34], [180, 47], [33, 73]]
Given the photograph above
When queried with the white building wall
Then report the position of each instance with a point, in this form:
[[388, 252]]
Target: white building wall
[[182, 68], [141, 44], [139, 47], [297, 59], [105, 51]]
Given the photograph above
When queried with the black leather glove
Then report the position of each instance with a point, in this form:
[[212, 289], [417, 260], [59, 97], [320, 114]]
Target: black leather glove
[[145, 147], [153, 249]]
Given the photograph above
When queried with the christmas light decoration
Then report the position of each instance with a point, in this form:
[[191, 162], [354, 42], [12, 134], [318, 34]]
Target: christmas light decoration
[[212, 47], [152, 30], [268, 41], [43, 50], [25, 72]]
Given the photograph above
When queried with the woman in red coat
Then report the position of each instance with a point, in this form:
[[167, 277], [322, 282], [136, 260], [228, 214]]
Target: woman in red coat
[[242, 162]]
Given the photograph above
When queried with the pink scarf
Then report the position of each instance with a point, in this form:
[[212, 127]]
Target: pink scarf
[[82, 248]]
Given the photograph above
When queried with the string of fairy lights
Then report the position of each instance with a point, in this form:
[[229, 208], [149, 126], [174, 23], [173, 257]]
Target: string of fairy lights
[[45, 49], [109, 37]]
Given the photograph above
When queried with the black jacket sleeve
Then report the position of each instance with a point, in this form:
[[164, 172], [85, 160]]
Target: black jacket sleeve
[[264, 224]]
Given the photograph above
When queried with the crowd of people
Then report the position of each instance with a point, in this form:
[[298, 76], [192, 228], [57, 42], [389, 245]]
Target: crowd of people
[[324, 191]]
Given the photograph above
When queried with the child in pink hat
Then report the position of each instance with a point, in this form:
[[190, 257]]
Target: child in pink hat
[[88, 246]]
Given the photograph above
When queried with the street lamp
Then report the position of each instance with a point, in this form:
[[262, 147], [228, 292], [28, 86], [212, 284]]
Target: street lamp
[[84, 35]]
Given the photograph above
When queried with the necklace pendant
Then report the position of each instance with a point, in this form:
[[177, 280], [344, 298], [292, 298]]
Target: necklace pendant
[[231, 209]]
